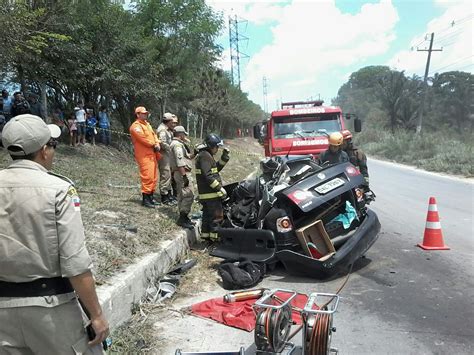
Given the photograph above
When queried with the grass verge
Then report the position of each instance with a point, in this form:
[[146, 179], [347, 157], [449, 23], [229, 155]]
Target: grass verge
[[440, 152]]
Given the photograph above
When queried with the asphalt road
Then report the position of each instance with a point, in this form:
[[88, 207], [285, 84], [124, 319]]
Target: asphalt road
[[399, 299]]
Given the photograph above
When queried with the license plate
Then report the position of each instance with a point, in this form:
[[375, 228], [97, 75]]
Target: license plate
[[329, 186]]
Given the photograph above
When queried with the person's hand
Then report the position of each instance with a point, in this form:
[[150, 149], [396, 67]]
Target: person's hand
[[226, 154], [224, 194], [185, 181], [101, 329], [156, 148]]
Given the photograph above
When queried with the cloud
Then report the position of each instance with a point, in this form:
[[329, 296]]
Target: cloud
[[311, 40], [257, 12], [452, 32]]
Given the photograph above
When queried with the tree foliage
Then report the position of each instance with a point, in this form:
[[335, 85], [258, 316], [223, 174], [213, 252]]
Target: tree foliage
[[161, 54], [388, 98]]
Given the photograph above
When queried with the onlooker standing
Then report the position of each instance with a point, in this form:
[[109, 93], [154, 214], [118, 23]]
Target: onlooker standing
[[7, 105], [44, 263], [35, 106], [146, 147], [181, 166], [80, 122], [58, 119], [165, 135], [71, 124], [91, 123], [20, 106], [104, 126]]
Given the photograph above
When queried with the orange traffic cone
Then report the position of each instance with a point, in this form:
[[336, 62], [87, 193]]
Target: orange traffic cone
[[433, 238]]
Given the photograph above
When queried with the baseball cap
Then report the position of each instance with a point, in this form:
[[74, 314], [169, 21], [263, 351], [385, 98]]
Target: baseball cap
[[140, 109], [180, 129], [168, 116], [26, 134]]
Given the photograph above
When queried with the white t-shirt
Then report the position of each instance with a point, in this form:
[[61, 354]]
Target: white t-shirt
[[81, 116]]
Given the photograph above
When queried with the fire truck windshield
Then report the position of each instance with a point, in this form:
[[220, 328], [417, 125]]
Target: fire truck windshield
[[293, 127]]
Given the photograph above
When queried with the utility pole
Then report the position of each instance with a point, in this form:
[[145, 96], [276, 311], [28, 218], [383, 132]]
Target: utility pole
[[265, 102], [425, 82]]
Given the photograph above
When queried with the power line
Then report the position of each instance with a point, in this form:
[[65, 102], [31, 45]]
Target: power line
[[466, 66], [456, 62], [453, 23], [456, 23]]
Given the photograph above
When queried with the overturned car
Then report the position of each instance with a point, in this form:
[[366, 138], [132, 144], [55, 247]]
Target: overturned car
[[314, 219]]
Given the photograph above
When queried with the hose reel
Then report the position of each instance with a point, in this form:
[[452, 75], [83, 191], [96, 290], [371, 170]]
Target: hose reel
[[274, 320]]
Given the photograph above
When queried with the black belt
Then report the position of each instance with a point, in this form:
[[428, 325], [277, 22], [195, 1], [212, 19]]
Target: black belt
[[40, 287]]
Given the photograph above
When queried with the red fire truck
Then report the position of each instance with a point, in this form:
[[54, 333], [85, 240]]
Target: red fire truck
[[301, 128]]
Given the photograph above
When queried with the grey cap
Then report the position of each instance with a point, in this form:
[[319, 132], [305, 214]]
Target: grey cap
[[167, 116], [26, 134], [180, 129]]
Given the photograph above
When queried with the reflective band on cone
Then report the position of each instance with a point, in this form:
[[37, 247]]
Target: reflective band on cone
[[433, 237]]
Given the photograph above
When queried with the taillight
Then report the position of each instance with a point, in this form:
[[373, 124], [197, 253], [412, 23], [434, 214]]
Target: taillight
[[352, 171], [283, 224], [299, 195]]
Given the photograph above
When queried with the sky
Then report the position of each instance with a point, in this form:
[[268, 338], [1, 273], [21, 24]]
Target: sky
[[308, 49]]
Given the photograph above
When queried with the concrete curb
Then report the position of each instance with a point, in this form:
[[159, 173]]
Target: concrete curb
[[127, 288]]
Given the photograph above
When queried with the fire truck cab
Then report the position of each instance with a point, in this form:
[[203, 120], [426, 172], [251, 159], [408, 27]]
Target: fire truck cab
[[301, 128]]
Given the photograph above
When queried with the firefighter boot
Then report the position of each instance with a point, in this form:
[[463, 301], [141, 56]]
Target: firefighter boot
[[183, 221], [153, 200], [147, 202], [165, 199]]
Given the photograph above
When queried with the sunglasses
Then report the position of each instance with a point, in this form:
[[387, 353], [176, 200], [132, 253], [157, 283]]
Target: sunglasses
[[52, 143]]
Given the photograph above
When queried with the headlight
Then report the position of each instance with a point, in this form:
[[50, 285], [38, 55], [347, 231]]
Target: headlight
[[283, 224]]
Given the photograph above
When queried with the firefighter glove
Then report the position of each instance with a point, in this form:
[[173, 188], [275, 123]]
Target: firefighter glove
[[224, 194], [185, 181], [225, 154]]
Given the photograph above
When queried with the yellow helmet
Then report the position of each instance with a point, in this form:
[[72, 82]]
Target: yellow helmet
[[336, 139]]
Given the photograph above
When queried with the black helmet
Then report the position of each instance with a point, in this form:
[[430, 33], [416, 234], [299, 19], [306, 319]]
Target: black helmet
[[213, 140]]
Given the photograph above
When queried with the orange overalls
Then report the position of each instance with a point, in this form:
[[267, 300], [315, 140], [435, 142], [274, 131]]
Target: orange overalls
[[144, 139]]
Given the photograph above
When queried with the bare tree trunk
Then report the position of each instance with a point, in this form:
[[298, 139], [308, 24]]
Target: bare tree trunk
[[44, 100]]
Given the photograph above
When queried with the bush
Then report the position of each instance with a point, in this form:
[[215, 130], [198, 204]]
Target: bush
[[435, 151]]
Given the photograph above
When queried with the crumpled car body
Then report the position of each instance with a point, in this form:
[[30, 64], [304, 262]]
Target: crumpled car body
[[267, 217]]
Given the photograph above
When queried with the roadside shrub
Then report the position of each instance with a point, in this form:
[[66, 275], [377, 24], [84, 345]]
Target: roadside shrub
[[435, 151]]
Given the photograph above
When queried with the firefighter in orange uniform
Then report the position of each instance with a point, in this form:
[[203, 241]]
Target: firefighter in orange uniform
[[146, 146]]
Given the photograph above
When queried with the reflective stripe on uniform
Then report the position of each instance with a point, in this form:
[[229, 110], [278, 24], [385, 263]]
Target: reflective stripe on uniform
[[214, 184], [213, 171], [210, 195]]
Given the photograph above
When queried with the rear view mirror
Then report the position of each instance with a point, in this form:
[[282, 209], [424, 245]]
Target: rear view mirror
[[357, 124]]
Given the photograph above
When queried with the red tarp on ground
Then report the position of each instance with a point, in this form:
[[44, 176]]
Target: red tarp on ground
[[240, 314]]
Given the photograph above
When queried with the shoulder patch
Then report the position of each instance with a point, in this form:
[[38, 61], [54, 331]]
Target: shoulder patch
[[137, 129], [75, 200]]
